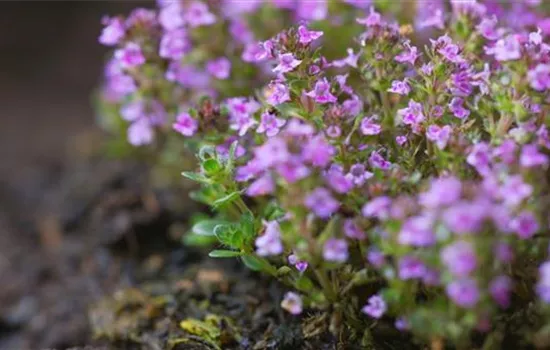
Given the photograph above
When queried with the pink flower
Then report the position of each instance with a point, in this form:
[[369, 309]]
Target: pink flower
[[261, 187], [269, 243], [277, 93], [113, 32], [321, 92], [400, 87], [409, 55], [439, 135], [219, 68], [185, 124], [270, 124], [287, 63], [130, 55], [335, 250], [305, 36], [368, 127], [292, 303], [197, 14], [174, 44]]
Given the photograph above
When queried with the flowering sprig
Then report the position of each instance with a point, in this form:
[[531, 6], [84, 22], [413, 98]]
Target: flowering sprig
[[420, 175]]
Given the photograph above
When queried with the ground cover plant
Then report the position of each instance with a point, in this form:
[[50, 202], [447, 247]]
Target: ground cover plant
[[386, 161]]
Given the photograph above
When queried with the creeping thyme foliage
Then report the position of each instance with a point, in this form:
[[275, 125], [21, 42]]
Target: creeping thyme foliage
[[382, 170]]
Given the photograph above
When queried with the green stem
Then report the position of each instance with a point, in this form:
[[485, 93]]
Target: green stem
[[326, 284]]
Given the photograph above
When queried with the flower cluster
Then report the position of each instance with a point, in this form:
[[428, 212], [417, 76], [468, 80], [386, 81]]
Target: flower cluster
[[421, 173]]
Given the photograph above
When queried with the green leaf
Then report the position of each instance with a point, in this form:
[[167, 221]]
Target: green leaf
[[228, 235], [252, 262], [226, 199], [220, 253], [207, 227], [198, 177], [207, 152], [231, 160], [194, 240], [211, 166]]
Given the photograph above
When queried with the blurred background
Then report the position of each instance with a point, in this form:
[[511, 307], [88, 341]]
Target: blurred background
[[53, 262], [50, 63]]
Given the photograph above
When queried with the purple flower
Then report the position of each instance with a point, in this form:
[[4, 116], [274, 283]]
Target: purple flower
[[312, 10], [305, 36], [368, 127], [335, 250], [487, 28], [376, 307], [240, 113], [409, 55], [506, 49], [427, 68], [531, 157], [373, 19], [300, 265], [411, 267], [461, 83], [248, 171], [525, 225], [133, 111], [171, 16], [465, 217], [447, 49], [358, 174], [140, 132], [430, 14], [219, 68], [321, 92], [293, 169], [185, 124], [402, 324], [287, 63], [400, 87], [377, 161], [262, 186], [318, 151], [463, 292], [350, 59], [457, 109], [274, 151], [113, 32], [378, 207], [535, 38], [480, 158], [352, 230], [443, 192], [336, 179], [174, 44], [187, 75], [269, 243], [197, 14], [514, 191], [360, 4], [270, 124], [240, 31], [439, 135], [292, 303], [543, 286], [130, 55], [459, 258], [321, 202], [417, 231], [401, 140], [500, 288], [353, 106], [277, 93], [539, 77], [412, 114], [375, 257]]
